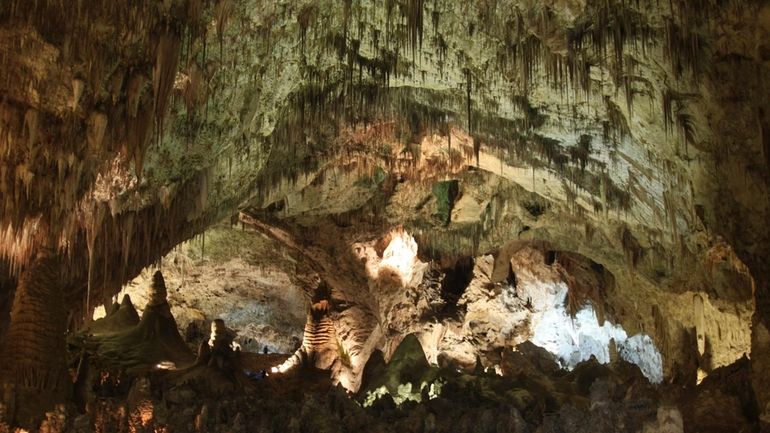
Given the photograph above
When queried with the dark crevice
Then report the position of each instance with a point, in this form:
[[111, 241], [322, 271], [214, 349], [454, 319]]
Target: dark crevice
[[550, 257], [456, 280], [511, 279]]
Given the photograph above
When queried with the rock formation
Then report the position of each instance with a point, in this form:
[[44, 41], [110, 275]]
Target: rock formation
[[591, 176]]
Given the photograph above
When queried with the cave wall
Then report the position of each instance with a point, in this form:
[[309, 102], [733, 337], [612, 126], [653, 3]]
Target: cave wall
[[635, 89], [699, 319], [237, 275]]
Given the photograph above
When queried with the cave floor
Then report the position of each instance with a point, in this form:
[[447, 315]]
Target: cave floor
[[533, 396]]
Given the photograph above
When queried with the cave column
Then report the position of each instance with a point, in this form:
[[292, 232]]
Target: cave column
[[33, 372]]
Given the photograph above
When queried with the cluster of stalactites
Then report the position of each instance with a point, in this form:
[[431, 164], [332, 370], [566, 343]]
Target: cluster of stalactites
[[534, 43], [89, 124], [533, 47]]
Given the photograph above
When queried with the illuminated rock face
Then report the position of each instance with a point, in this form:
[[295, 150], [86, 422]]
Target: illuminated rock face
[[576, 339], [523, 291], [486, 318], [399, 256]]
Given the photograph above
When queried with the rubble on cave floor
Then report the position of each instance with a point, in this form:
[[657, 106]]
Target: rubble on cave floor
[[126, 382], [528, 393], [594, 397]]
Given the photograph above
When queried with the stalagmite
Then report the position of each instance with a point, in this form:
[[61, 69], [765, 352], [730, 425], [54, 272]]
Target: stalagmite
[[156, 294], [33, 352]]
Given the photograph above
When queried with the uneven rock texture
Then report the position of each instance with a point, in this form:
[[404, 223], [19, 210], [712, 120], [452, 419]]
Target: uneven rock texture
[[500, 300], [239, 276], [408, 395], [633, 135]]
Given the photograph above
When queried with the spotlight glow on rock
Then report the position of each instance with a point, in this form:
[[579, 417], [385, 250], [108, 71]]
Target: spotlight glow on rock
[[573, 340], [400, 255]]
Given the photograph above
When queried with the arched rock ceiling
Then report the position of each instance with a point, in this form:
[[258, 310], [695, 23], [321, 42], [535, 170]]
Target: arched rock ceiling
[[640, 127]]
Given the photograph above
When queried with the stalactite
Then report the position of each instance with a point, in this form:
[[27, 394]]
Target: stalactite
[[194, 88], [164, 73], [136, 86], [631, 247], [662, 338], [304, 18], [617, 125], [196, 27], [137, 138], [224, 9], [468, 90], [684, 43], [699, 319], [347, 5], [675, 114], [94, 218], [78, 86], [31, 127], [686, 126], [18, 245], [97, 126], [414, 20], [127, 238]]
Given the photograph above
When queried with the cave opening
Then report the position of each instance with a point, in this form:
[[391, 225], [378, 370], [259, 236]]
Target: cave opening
[[456, 279], [237, 275]]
